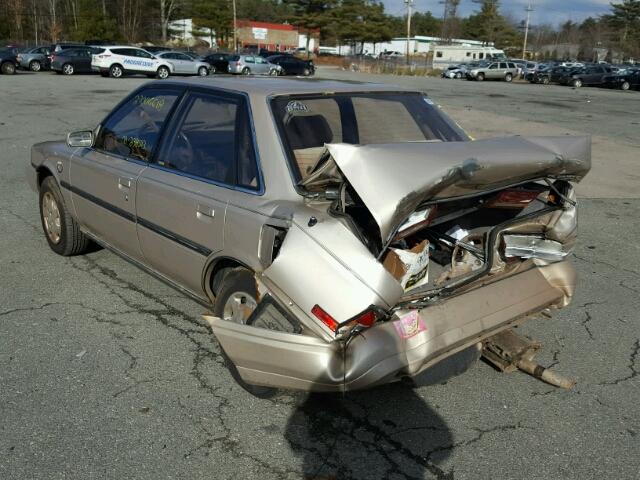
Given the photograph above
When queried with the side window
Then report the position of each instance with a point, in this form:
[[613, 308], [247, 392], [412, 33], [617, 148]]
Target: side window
[[133, 130], [493, 66], [249, 60], [143, 54], [260, 60], [503, 65], [480, 55]]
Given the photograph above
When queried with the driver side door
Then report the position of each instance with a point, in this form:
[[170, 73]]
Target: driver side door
[[103, 179]]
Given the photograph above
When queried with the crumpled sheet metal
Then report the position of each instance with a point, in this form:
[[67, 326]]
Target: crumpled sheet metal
[[393, 179]]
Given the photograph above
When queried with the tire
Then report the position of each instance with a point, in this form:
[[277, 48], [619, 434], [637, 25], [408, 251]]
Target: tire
[[67, 69], [236, 284], [203, 71], [273, 72], [246, 71], [163, 72], [35, 66], [306, 72], [116, 71], [545, 80], [458, 75], [60, 228], [212, 70], [508, 77], [625, 85], [8, 68], [480, 77], [577, 83]]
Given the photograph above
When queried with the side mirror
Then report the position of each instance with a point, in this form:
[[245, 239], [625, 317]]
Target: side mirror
[[83, 138]]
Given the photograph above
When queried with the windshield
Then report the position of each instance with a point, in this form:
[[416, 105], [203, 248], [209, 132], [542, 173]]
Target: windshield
[[307, 122]]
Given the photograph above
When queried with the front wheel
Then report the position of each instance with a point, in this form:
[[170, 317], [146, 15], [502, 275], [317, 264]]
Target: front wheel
[[212, 70], [67, 69], [480, 77], [203, 71], [8, 68], [545, 81], [273, 72], [577, 83], [162, 73], [508, 77], [625, 85], [235, 301], [60, 228], [35, 66], [458, 76]]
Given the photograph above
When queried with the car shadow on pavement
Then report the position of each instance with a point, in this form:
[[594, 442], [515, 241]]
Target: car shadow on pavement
[[387, 432]]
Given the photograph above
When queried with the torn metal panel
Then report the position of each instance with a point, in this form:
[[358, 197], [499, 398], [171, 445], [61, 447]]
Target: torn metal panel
[[393, 179]]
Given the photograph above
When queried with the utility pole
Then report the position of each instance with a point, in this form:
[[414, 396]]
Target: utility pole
[[409, 4], [235, 28], [529, 9]]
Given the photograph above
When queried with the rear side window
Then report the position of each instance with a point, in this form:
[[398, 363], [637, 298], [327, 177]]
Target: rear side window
[[213, 141], [134, 128]]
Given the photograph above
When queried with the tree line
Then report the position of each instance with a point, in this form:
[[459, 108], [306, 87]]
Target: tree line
[[352, 22]]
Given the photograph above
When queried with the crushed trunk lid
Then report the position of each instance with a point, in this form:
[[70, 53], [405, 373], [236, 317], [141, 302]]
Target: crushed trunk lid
[[394, 179]]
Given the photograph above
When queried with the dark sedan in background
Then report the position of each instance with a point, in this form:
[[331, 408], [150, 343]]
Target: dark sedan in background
[[73, 60], [8, 62], [292, 65], [219, 62], [624, 80], [591, 75]]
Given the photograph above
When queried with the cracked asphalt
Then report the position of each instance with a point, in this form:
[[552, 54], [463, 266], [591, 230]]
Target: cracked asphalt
[[107, 373]]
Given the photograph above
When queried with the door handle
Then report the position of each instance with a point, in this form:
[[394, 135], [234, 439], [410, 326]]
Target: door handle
[[124, 183], [204, 211]]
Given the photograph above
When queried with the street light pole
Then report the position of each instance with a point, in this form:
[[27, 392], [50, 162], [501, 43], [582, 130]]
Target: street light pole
[[235, 28], [529, 9], [409, 4]]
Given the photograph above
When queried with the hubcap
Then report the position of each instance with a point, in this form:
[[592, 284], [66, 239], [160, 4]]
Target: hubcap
[[68, 69], [51, 217], [203, 72], [162, 73], [238, 307], [35, 66], [116, 72]]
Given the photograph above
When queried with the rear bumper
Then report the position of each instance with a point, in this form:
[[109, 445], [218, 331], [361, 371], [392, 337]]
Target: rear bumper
[[380, 355]]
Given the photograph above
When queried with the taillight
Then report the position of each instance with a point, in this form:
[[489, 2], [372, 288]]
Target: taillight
[[103, 56], [513, 199], [364, 319], [325, 318]]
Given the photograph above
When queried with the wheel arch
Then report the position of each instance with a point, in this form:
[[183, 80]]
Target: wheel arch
[[215, 266]]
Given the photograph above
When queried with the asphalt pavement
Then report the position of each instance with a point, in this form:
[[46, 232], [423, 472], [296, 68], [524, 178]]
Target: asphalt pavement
[[106, 373]]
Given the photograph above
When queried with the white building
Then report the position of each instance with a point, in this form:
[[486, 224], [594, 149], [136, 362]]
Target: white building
[[418, 45], [184, 29]]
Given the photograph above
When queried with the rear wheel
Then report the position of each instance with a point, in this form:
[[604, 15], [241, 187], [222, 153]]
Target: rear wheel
[[273, 72], [203, 71], [625, 85], [246, 71], [480, 77], [545, 80], [35, 66], [163, 72], [212, 70], [61, 230], [458, 75], [577, 83], [67, 69], [8, 68], [235, 301], [508, 77], [116, 71], [306, 72]]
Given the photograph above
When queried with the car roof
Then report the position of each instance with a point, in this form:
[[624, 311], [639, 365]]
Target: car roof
[[256, 86]]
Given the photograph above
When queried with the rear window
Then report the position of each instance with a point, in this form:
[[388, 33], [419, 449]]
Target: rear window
[[98, 51], [234, 58], [306, 123]]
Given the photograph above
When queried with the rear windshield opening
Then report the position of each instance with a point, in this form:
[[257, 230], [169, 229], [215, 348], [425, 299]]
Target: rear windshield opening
[[306, 123]]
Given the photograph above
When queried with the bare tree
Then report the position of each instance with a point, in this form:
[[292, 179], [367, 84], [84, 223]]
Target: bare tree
[[167, 9]]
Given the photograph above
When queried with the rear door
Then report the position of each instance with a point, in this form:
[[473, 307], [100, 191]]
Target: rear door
[[187, 65], [103, 178], [182, 197]]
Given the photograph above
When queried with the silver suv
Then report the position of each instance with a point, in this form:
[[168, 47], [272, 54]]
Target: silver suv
[[252, 65], [506, 71], [342, 235]]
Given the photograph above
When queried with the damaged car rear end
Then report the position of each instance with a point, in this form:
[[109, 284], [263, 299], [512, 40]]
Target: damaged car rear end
[[410, 242]]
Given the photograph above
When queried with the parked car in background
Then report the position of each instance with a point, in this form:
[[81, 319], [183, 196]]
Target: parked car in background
[[395, 265], [291, 65], [506, 71], [219, 62], [8, 62], [118, 61], [156, 49], [390, 54], [34, 58], [73, 60], [591, 76], [626, 79], [184, 64], [252, 65], [455, 71]]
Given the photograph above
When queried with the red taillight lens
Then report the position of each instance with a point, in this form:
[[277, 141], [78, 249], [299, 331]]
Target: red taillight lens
[[325, 318], [366, 318], [513, 199]]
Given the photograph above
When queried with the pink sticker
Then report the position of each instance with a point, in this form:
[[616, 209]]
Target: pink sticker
[[409, 325]]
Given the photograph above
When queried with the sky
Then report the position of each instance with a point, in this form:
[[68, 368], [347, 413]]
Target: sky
[[545, 11]]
